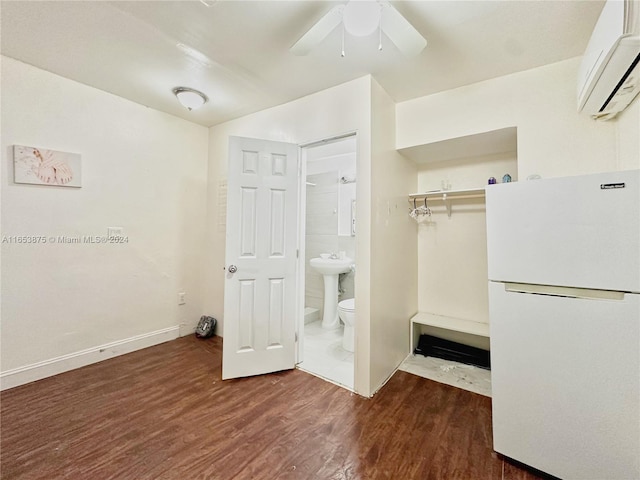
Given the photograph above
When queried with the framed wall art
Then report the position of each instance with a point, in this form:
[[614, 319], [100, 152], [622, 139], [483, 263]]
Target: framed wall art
[[39, 166]]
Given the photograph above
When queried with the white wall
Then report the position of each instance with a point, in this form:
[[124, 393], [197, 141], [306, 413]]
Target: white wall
[[142, 170], [553, 139], [338, 110], [628, 137], [393, 240]]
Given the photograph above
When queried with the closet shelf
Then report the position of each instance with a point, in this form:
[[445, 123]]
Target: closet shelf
[[447, 195], [451, 323]]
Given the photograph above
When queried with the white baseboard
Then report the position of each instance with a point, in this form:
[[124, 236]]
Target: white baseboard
[[54, 366], [187, 330]]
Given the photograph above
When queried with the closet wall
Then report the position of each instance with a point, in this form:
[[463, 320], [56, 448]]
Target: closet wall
[[452, 250]]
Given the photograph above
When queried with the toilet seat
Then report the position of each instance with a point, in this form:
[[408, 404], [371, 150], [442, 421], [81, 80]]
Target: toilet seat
[[347, 305]]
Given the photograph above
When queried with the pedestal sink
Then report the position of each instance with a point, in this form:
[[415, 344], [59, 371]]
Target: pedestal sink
[[330, 268]]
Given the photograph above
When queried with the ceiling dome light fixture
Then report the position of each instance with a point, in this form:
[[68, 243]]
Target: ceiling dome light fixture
[[190, 98], [361, 17]]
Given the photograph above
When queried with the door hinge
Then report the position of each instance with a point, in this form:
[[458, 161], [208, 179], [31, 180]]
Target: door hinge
[[296, 337], [297, 253]]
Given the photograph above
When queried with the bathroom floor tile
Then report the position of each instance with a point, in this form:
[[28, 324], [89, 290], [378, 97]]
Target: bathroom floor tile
[[342, 373], [324, 356], [314, 329], [338, 353]]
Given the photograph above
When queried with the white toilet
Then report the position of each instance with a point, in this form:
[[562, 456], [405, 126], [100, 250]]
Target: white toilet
[[347, 313]]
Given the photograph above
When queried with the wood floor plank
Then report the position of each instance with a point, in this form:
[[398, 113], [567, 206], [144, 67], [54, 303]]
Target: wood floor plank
[[165, 413]]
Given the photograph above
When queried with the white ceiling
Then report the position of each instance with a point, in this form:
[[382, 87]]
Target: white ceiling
[[129, 48]]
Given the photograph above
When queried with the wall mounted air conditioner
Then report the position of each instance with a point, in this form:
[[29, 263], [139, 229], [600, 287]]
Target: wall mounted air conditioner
[[609, 76]]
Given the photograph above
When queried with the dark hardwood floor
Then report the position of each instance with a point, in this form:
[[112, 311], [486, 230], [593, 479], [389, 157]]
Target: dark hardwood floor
[[164, 413]]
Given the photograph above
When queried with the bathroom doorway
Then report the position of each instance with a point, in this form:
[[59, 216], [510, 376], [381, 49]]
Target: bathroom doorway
[[328, 229]]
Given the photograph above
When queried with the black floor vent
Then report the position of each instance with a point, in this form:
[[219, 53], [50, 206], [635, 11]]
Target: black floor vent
[[431, 346]]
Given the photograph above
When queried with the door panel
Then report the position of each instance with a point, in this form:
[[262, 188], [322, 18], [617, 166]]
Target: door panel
[[262, 232], [565, 380]]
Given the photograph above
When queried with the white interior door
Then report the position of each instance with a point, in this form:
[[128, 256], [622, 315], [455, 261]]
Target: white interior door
[[261, 258]]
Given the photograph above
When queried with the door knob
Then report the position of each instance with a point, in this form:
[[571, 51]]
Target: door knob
[[232, 269]]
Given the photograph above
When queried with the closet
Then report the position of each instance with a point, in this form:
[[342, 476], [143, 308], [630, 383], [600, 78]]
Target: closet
[[450, 212]]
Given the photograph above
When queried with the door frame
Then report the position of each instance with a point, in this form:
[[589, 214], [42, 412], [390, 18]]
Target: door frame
[[301, 272], [302, 215]]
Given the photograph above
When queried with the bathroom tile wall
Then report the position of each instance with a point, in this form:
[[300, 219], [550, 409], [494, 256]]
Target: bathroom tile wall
[[321, 230], [328, 214]]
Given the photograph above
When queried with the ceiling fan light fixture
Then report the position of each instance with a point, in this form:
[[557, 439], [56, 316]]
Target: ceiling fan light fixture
[[361, 17], [189, 98]]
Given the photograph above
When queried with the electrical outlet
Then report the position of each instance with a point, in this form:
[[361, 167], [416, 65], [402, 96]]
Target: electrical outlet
[[115, 232], [182, 298]]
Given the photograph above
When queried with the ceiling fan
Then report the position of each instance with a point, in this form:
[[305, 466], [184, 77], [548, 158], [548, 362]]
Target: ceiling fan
[[362, 18]]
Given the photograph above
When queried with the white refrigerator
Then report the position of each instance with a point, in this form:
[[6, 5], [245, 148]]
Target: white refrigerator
[[564, 306]]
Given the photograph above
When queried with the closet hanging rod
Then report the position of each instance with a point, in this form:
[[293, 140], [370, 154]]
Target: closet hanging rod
[[449, 194], [442, 196]]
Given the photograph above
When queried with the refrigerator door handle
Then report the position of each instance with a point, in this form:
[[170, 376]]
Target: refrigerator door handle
[[571, 292]]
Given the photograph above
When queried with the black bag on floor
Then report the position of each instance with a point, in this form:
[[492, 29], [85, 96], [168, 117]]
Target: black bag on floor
[[205, 327]]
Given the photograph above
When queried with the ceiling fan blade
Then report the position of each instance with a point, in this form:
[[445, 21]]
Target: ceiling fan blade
[[318, 32], [401, 32]]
